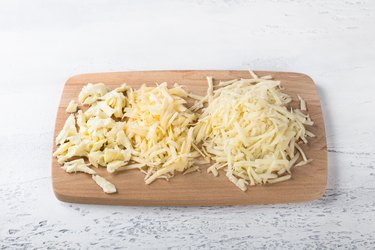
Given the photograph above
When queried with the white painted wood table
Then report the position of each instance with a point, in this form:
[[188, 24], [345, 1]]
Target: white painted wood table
[[43, 43]]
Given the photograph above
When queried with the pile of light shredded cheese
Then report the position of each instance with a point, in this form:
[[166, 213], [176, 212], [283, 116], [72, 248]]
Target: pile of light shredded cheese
[[159, 128], [250, 133], [148, 129]]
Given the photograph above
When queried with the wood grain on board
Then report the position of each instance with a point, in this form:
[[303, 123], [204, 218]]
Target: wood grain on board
[[195, 189]]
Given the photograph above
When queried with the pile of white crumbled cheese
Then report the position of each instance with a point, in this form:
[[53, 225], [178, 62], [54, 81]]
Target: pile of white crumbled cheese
[[243, 125]]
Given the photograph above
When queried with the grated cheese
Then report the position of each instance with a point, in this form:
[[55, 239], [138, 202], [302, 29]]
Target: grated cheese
[[159, 127], [149, 128], [248, 130], [244, 126]]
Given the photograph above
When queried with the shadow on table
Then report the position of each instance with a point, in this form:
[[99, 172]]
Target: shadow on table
[[333, 187]]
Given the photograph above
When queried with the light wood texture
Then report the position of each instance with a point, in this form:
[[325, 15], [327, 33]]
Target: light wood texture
[[196, 189]]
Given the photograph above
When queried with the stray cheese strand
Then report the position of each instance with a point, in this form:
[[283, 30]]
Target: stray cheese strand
[[248, 129]]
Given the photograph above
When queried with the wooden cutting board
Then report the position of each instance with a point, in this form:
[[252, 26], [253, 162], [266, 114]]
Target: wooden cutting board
[[196, 189]]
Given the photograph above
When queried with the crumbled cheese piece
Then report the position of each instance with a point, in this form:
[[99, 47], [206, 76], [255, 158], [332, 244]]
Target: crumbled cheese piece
[[116, 154], [91, 93], [107, 187], [77, 166], [96, 158], [248, 130], [113, 103], [72, 107], [67, 131], [115, 165]]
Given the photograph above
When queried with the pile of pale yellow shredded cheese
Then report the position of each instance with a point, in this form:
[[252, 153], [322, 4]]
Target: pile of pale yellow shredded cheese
[[248, 131], [243, 125]]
